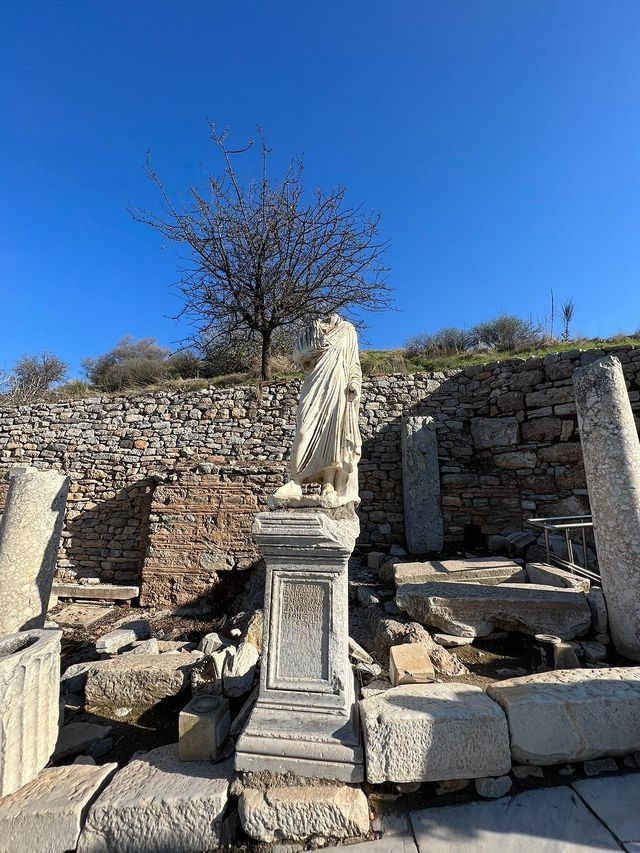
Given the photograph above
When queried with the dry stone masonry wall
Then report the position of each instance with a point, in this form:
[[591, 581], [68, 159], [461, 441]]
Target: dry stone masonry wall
[[507, 440]]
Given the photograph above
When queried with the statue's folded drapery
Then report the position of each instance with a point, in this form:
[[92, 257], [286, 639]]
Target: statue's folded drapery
[[327, 435]]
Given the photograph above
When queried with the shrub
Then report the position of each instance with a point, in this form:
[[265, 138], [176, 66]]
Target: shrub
[[508, 332], [449, 341], [130, 364], [32, 377]]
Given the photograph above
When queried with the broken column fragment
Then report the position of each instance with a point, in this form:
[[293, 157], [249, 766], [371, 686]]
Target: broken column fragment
[[29, 537], [29, 690], [611, 453]]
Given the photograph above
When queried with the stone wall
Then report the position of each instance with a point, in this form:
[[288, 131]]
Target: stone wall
[[507, 445]]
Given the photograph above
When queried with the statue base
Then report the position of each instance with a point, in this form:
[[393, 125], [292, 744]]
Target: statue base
[[305, 720]]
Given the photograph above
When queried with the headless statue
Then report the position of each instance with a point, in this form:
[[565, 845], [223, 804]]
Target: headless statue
[[327, 444]]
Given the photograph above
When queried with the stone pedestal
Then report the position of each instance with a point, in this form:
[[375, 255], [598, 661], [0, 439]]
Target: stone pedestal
[[29, 690], [29, 538], [305, 719], [421, 485], [611, 453]]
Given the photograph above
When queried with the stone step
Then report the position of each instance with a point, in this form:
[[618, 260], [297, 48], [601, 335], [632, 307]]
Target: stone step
[[433, 732], [571, 715], [474, 610]]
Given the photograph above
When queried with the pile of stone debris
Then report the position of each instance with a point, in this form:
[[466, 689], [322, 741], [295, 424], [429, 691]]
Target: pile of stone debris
[[437, 722]]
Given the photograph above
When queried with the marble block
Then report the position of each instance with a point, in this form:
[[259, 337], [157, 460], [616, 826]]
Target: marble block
[[305, 718], [421, 485], [203, 727], [30, 532], [29, 691]]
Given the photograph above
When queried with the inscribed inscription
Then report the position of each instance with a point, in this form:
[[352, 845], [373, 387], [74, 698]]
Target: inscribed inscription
[[304, 630]]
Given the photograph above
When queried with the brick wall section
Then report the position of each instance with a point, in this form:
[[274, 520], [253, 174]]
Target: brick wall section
[[507, 442]]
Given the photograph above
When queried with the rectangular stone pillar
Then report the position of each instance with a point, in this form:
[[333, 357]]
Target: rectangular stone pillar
[[421, 485], [29, 538], [305, 719], [611, 453]]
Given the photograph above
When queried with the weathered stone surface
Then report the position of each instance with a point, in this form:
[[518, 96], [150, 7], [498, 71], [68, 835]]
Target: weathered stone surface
[[389, 844], [144, 647], [74, 738], [546, 575], [101, 591], [29, 537], [240, 670], [203, 727], [304, 720], [421, 485], [484, 570], [545, 821], [137, 680], [432, 732], [488, 433], [74, 678], [616, 801], [450, 641], [81, 615], [410, 663], [46, 815], [611, 451], [295, 813], [491, 788], [112, 642], [29, 709], [474, 610], [196, 532], [156, 804], [599, 616], [571, 715]]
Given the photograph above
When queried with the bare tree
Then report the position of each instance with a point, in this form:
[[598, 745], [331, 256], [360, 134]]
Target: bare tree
[[31, 377], [266, 257], [568, 310]]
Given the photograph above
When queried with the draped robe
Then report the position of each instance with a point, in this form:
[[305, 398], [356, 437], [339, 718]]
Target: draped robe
[[328, 435]]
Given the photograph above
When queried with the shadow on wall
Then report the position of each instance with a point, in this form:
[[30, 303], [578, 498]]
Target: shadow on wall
[[108, 539]]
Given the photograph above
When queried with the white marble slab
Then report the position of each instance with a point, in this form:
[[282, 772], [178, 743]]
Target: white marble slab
[[616, 801]]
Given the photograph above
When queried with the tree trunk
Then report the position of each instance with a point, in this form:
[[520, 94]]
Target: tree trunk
[[265, 369]]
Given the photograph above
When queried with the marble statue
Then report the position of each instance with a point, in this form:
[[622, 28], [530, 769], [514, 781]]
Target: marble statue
[[327, 443]]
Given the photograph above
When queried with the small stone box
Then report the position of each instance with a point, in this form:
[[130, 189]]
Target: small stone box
[[410, 664], [203, 728]]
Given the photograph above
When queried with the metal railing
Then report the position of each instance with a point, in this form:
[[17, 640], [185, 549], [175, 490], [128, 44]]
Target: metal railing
[[567, 524]]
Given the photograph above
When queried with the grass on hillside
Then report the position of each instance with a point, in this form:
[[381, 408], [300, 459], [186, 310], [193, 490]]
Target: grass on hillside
[[374, 363]]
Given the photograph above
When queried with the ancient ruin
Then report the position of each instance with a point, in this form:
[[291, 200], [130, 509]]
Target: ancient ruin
[[382, 650]]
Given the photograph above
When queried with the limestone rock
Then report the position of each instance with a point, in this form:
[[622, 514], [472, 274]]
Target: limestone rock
[[157, 804], [74, 678], [145, 647], [213, 642], [473, 610], [295, 813], [493, 788], [74, 738], [47, 814], [484, 570], [543, 573], [433, 732], [410, 664], [30, 531], [137, 680], [240, 670], [112, 642], [29, 708], [488, 433], [571, 715], [203, 725]]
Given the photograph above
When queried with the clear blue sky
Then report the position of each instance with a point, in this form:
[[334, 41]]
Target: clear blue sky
[[500, 140]]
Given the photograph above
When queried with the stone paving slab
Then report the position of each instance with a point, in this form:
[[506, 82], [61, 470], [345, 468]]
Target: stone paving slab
[[388, 844], [616, 801], [82, 615], [551, 820]]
